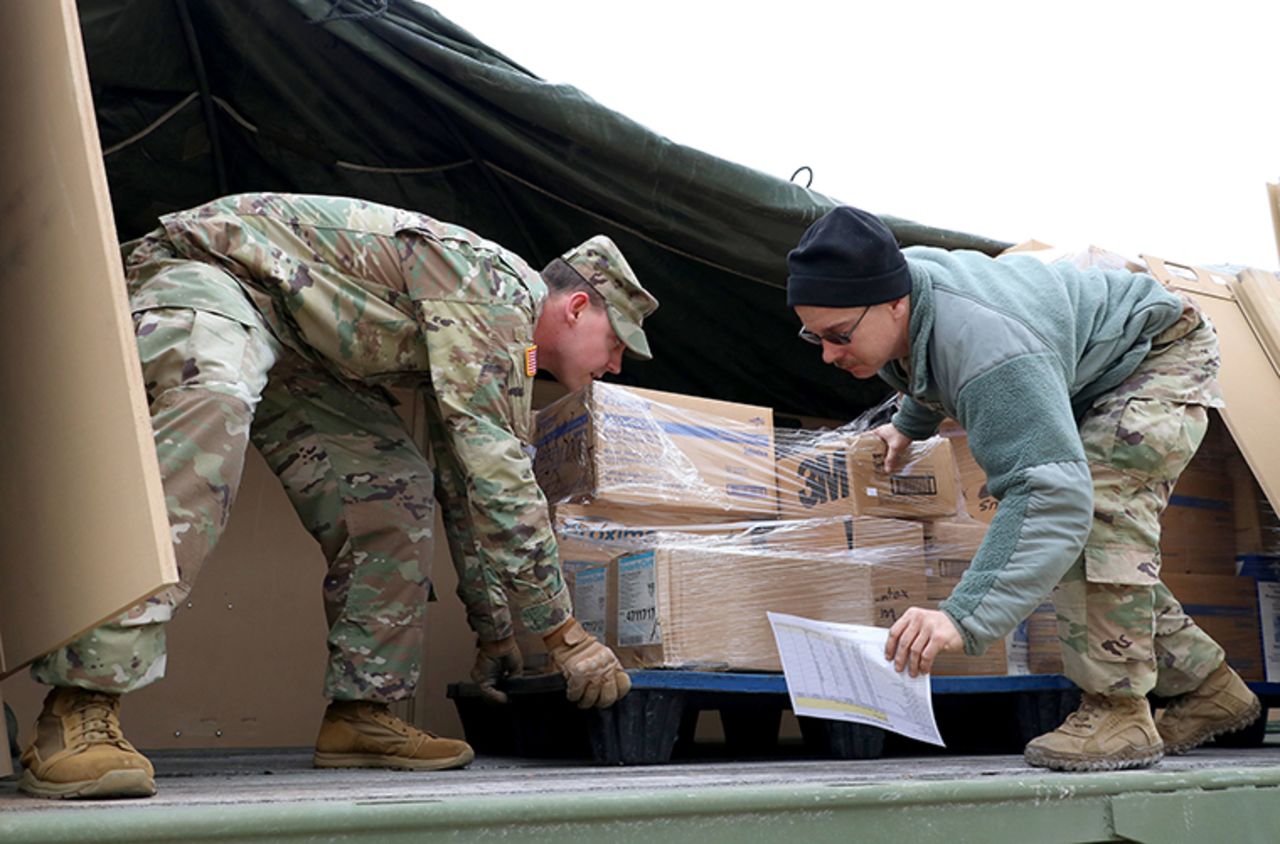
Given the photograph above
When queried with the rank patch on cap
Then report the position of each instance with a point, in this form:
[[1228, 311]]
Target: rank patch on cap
[[531, 360]]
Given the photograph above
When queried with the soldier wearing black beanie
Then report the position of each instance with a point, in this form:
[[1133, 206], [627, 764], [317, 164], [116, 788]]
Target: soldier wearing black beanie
[[1083, 391]]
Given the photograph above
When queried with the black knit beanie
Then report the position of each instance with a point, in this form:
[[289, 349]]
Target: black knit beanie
[[847, 259]]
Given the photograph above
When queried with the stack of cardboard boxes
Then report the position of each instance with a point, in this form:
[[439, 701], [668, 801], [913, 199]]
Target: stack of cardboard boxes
[[683, 520], [1217, 518]]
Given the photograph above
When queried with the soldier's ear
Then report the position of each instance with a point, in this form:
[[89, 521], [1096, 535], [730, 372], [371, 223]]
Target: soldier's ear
[[578, 304]]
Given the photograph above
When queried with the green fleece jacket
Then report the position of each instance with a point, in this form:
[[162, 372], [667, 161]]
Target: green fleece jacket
[[1016, 351]]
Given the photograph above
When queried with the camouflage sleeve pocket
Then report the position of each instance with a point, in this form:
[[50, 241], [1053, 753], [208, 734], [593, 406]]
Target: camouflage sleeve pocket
[[477, 366], [520, 390]]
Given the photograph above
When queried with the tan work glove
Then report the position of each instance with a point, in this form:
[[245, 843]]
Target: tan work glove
[[593, 673], [496, 661]]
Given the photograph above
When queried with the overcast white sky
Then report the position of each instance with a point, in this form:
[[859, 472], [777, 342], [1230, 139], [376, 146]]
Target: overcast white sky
[[1141, 127]]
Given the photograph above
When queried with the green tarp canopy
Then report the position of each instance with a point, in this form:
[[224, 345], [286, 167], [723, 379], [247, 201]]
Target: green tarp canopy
[[392, 102]]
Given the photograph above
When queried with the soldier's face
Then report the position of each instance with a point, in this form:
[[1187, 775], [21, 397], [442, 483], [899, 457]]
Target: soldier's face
[[577, 342], [880, 335], [592, 349]]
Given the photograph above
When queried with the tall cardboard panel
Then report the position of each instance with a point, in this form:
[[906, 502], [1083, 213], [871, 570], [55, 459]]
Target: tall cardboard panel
[[1250, 381], [81, 509], [247, 649]]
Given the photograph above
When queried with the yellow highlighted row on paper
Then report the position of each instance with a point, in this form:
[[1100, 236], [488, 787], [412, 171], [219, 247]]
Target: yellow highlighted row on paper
[[840, 706]]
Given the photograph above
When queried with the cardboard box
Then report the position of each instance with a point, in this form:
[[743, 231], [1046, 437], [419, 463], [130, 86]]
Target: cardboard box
[[624, 446], [1044, 650], [1016, 650], [84, 520], [1225, 607], [1257, 526], [1198, 529], [949, 547], [978, 500], [995, 662], [841, 476], [1258, 566], [585, 569], [705, 606], [589, 536], [1269, 621], [628, 528]]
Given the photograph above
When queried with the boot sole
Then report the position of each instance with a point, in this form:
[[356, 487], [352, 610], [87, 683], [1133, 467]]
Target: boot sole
[[1040, 758], [111, 784], [395, 763], [1240, 722]]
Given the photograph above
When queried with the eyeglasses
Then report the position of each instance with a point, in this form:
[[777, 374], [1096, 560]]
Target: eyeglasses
[[834, 339]]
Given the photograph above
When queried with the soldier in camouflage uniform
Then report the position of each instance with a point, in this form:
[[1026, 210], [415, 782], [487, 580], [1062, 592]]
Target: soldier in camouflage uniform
[[281, 320], [1084, 394]]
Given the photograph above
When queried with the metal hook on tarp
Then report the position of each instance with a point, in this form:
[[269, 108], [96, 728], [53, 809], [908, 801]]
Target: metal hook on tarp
[[801, 169], [379, 9]]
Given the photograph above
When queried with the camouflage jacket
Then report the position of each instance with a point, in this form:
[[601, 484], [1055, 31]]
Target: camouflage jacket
[[387, 296]]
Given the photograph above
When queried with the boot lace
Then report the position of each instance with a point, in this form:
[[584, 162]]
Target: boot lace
[[383, 716], [96, 721]]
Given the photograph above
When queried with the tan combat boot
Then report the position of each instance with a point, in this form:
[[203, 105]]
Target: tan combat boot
[[79, 750], [1221, 704], [1104, 734], [363, 734]]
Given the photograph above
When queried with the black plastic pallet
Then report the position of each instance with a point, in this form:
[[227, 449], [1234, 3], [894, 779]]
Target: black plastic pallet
[[655, 723]]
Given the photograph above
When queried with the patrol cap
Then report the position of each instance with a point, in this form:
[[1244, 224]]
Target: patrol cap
[[600, 263]]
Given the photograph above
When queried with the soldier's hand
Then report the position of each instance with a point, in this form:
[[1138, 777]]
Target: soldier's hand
[[918, 637], [496, 661], [592, 671], [896, 444]]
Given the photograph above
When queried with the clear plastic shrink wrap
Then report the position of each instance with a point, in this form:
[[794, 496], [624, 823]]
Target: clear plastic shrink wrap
[[682, 521]]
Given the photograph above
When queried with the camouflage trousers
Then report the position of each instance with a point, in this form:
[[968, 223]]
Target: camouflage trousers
[[216, 379], [1122, 631]]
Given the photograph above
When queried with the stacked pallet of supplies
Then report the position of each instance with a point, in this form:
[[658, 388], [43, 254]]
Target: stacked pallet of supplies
[[841, 474], [682, 521]]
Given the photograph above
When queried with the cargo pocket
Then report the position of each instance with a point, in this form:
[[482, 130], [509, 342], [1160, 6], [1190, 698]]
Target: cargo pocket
[[1155, 439], [1124, 565], [186, 348], [1120, 622]]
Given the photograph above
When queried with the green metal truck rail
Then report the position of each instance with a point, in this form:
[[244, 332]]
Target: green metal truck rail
[[1146, 806]]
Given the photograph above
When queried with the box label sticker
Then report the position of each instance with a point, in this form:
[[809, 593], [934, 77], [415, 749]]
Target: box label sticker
[[913, 485], [589, 595], [1018, 649], [1269, 610], [638, 601]]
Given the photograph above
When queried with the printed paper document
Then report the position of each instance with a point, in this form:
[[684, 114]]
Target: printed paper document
[[838, 671]]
